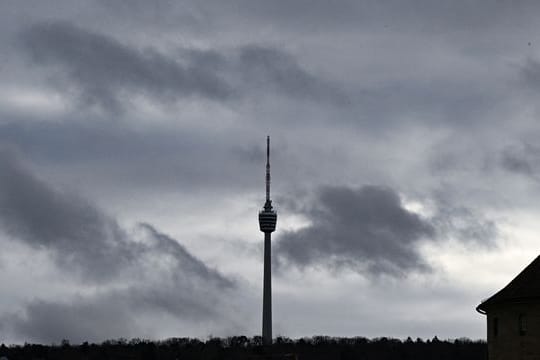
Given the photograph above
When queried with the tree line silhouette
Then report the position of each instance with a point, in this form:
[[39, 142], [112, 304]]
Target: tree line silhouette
[[242, 347]]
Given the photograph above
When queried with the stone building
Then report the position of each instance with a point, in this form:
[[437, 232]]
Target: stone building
[[513, 317]]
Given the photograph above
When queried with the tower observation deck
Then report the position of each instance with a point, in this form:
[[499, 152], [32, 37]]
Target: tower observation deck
[[267, 224]]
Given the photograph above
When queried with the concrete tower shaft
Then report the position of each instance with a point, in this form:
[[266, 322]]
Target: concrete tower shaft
[[267, 224]]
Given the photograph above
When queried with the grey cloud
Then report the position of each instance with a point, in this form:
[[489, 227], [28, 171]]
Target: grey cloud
[[115, 313], [80, 235], [82, 320], [369, 230], [465, 225], [185, 262], [112, 153], [263, 66], [523, 159], [251, 153], [366, 229], [104, 69], [316, 15], [512, 162], [157, 274], [530, 73]]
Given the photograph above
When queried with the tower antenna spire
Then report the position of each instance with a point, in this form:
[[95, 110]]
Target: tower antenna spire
[[268, 169]]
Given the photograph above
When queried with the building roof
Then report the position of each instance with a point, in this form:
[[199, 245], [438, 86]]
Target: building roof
[[524, 287]]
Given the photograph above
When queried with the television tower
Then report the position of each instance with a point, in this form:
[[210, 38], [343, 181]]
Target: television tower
[[267, 224]]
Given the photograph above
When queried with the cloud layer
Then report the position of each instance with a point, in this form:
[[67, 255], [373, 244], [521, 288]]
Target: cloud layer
[[107, 72], [366, 229], [104, 68], [138, 272], [370, 231]]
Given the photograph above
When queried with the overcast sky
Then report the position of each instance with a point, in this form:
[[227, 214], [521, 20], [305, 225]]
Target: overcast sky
[[405, 165]]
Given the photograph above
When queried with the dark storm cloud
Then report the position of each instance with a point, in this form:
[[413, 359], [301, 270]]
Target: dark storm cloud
[[104, 69], [369, 230], [82, 239], [80, 235], [365, 229], [102, 66]]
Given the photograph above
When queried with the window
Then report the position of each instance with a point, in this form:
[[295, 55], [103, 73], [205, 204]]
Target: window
[[495, 327], [522, 322]]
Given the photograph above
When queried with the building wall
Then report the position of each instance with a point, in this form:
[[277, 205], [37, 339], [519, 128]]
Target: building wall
[[517, 334]]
